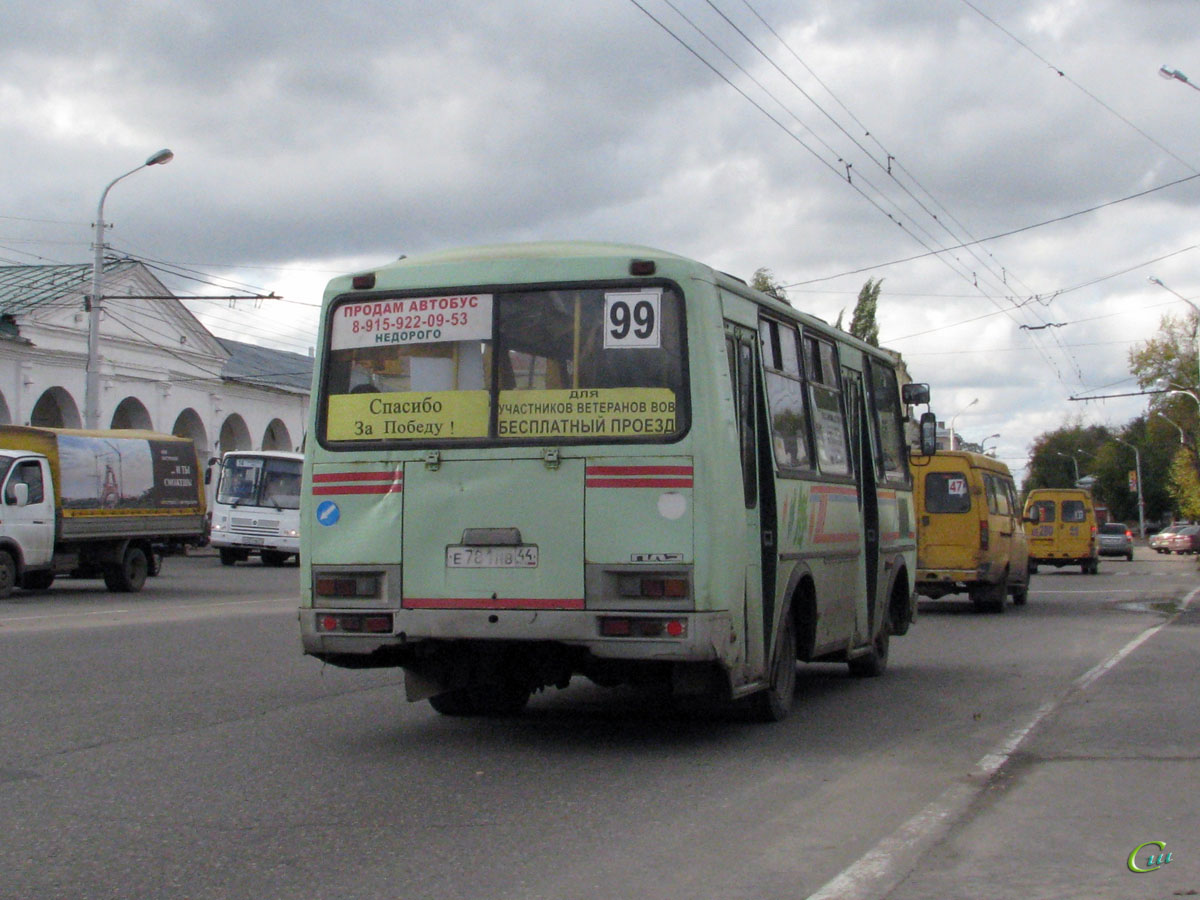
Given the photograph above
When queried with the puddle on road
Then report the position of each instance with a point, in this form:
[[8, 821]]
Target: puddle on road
[[1163, 608]]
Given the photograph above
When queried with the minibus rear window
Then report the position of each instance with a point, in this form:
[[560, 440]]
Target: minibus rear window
[[947, 492], [1074, 511]]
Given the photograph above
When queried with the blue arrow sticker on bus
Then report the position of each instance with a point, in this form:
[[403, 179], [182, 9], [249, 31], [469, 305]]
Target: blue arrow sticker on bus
[[328, 513]]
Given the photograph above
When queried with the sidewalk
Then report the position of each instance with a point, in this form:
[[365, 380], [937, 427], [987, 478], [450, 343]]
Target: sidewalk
[[1116, 766]]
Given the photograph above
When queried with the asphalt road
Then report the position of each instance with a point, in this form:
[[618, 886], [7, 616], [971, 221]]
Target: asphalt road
[[175, 743]]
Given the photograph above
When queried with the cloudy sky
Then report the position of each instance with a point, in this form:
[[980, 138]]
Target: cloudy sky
[[1014, 171]]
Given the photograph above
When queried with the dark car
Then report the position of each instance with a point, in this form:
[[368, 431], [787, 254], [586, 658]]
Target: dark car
[[1115, 540], [1185, 540]]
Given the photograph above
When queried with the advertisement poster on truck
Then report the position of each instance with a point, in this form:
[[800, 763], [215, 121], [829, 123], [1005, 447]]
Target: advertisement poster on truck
[[99, 475]]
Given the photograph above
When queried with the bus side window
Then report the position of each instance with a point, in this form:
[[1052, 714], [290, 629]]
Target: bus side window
[[828, 419], [889, 428], [785, 395]]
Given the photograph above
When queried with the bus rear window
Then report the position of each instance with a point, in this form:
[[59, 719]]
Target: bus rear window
[[947, 492], [573, 365]]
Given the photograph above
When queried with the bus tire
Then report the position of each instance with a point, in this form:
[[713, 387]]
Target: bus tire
[[506, 698], [873, 664], [775, 702], [990, 597], [274, 558], [229, 556], [8, 574]]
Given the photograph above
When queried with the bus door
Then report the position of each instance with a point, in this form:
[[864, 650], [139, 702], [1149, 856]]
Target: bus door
[[868, 499], [758, 488]]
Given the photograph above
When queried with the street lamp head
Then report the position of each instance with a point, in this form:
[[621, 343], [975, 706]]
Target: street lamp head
[[161, 158], [1157, 281]]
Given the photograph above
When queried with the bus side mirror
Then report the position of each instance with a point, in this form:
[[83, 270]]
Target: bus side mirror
[[928, 432], [208, 476], [915, 393], [1033, 515]]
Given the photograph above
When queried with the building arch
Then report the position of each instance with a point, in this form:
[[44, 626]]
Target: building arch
[[56, 408], [5, 414], [188, 424], [277, 436], [234, 435], [132, 413]]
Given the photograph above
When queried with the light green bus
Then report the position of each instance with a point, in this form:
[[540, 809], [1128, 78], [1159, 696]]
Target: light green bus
[[531, 462]]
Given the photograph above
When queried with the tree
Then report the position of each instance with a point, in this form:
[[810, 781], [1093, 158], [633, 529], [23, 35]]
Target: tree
[[862, 322], [764, 281], [1170, 358], [1054, 455]]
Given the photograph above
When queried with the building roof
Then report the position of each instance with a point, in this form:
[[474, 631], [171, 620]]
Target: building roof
[[26, 290], [22, 288], [265, 367]]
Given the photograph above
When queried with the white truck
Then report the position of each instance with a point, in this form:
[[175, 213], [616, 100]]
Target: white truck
[[256, 506], [94, 504]]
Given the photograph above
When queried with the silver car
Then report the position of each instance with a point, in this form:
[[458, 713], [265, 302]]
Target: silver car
[[1115, 540]]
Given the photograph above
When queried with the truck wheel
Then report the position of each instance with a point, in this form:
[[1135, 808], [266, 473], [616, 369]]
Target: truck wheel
[[8, 574], [229, 556], [130, 575]]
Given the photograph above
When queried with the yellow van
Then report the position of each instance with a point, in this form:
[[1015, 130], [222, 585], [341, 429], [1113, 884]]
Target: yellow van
[[969, 531], [1061, 523]]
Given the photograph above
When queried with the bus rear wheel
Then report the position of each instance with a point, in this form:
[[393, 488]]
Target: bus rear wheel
[[873, 664], [774, 703], [492, 699]]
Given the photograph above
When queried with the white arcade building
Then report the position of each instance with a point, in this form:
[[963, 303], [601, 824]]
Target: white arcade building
[[160, 368]]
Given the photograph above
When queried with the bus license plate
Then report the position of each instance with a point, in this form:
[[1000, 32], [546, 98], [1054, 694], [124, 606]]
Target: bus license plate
[[522, 557]]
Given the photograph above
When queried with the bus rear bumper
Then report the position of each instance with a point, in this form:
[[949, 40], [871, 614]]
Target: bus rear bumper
[[635, 636]]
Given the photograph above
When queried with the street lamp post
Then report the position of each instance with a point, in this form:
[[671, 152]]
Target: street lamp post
[[1071, 457], [91, 398], [955, 416], [1176, 75], [983, 443], [1137, 465], [1178, 427]]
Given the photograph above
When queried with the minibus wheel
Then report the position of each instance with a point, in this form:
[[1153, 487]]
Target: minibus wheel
[[774, 703]]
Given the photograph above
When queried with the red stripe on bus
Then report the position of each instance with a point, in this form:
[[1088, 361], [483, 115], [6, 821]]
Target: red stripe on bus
[[391, 488], [492, 603], [396, 475], [639, 483], [835, 490], [828, 538], [639, 470]]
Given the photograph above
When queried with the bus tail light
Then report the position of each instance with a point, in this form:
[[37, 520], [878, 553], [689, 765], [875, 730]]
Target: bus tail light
[[671, 587], [354, 623], [642, 627], [983, 534], [346, 586]]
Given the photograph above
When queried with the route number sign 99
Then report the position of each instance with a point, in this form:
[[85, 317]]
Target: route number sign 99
[[631, 320]]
